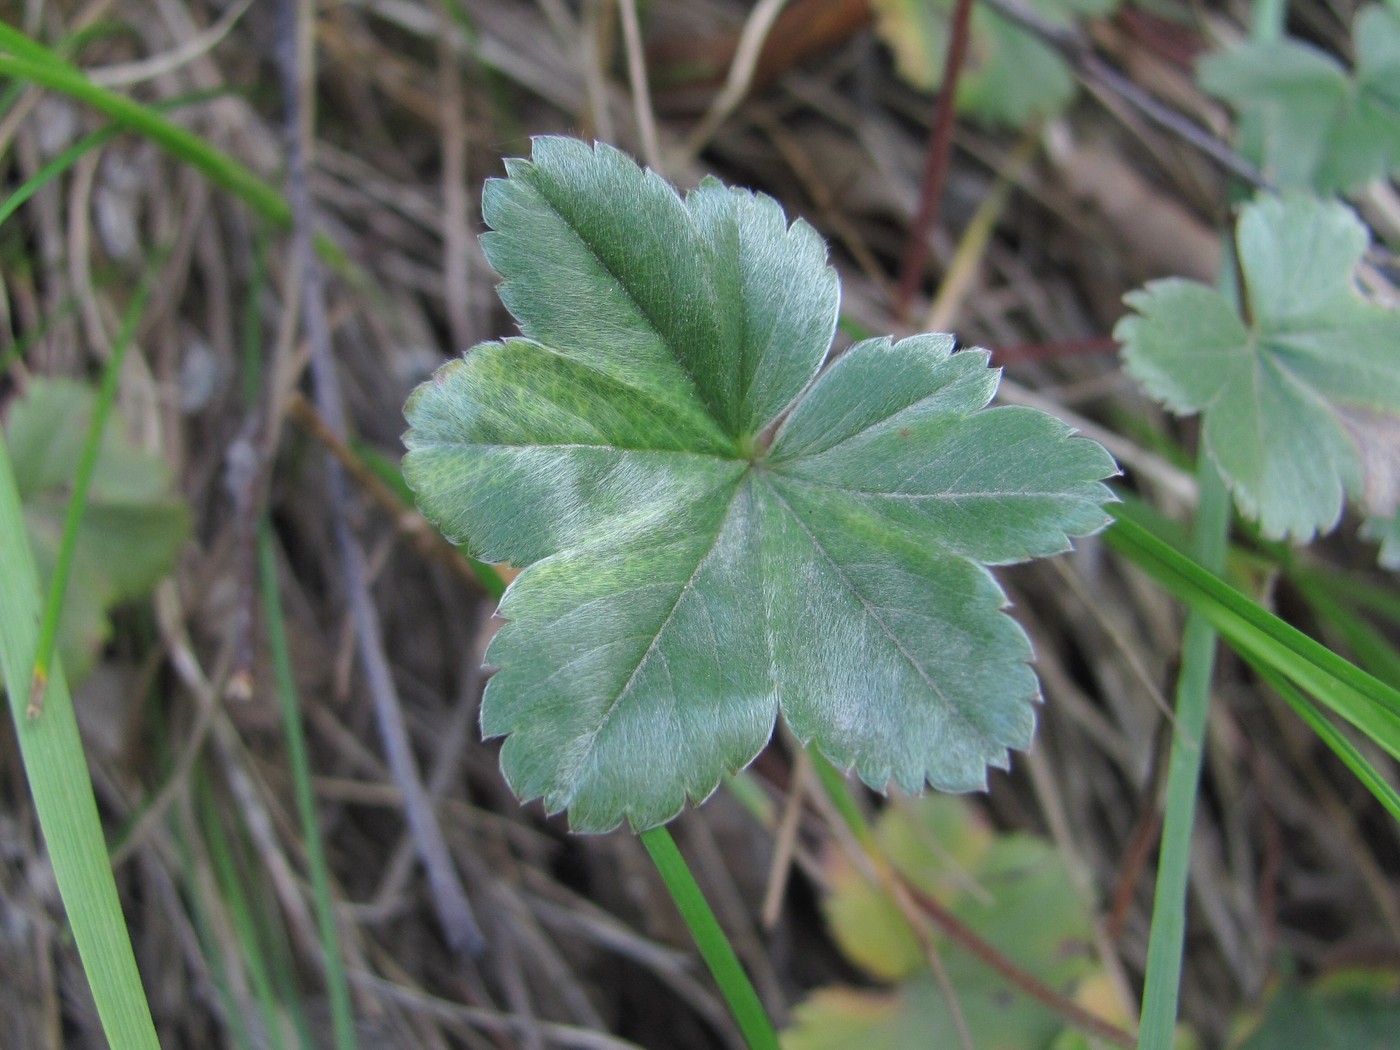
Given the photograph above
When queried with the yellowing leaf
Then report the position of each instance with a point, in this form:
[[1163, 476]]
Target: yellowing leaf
[[1010, 77], [1011, 889]]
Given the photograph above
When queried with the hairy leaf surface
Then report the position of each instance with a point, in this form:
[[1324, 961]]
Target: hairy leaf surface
[[1301, 400], [711, 531]]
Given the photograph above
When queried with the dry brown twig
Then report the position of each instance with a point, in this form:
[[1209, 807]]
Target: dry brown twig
[[449, 898]]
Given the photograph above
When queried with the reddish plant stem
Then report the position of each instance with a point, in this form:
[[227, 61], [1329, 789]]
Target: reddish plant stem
[[940, 145], [1144, 837], [1042, 993]]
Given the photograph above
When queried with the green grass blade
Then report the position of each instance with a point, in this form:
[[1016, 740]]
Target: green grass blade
[[58, 777], [1377, 721], [54, 168], [254, 953], [1364, 700], [1168, 934], [709, 937], [1370, 646], [77, 501], [73, 153], [338, 988], [36, 64], [1383, 601], [1335, 739], [31, 61]]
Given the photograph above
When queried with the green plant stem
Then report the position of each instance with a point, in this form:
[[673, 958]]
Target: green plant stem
[[338, 989], [1369, 646], [54, 764], [714, 946], [59, 164], [77, 502], [1164, 951], [1266, 20], [833, 782], [73, 153]]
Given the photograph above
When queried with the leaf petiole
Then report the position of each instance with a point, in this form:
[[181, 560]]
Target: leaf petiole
[[719, 955]]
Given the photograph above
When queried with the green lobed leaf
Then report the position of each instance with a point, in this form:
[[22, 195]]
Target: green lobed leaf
[[132, 528], [1323, 127], [687, 571], [1302, 401], [1353, 1009], [1386, 532], [1010, 79], [1011, 889]]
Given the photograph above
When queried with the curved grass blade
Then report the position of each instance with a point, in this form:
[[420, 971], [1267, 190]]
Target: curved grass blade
[[31, 61], [1362, 699], [1167, 940], [87, 143], [1333, 738], [58, 777], [37, 64]]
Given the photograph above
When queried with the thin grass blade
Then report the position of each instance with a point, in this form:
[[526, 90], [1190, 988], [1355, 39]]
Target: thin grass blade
[[1333, 737], [58, 777], [338, 989], [1364, 700], [77, 502], [1166, 941]]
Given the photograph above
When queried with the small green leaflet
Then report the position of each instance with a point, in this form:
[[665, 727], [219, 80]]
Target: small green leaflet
[[1349, 1009], [688, 569], [1323, 127], [1011, 889], [134, 523], [1301, 403], [1011, 78]]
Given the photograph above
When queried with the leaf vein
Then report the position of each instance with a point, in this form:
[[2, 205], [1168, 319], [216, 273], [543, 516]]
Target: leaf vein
[[866, 605], [588, 742]]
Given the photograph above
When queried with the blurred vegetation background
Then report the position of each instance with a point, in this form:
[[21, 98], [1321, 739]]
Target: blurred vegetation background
[[1062, 193]]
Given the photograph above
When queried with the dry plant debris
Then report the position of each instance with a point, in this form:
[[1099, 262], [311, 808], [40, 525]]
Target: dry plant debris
[[414, 105]]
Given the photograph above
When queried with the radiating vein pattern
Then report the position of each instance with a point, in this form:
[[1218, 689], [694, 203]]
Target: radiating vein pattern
[[1301, 403], [681, 583]]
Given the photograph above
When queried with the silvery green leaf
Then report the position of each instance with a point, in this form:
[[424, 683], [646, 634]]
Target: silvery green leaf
[[711, 533]]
